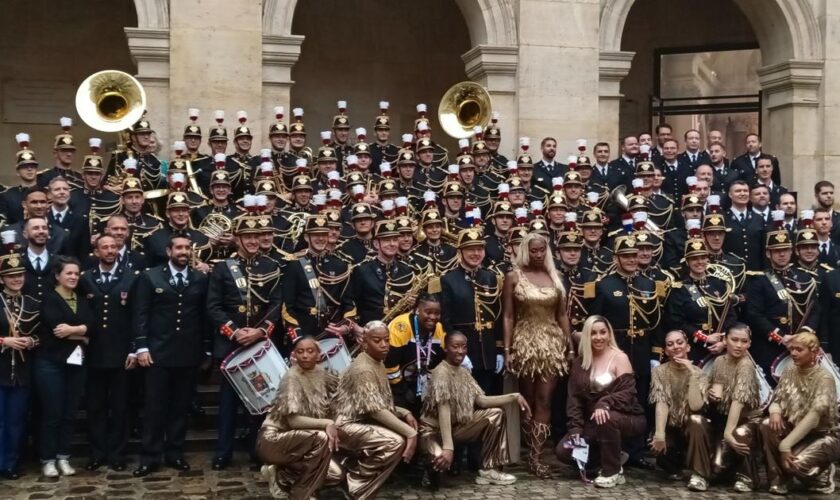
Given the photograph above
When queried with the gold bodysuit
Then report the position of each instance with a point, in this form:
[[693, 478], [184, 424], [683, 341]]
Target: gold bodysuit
[[539, 344]]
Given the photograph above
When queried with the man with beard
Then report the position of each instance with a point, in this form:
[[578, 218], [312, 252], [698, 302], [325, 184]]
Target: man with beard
[[547, 168], [177, 223], [244, 298], [315, 284], [127, 259], [747, 163], [38, 259], [760, 201], [170, 336], [824, 197], [35, 204]]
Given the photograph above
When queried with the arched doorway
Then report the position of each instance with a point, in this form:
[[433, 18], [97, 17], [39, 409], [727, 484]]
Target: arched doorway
[[43, 58], [363, 52], [789, 37]]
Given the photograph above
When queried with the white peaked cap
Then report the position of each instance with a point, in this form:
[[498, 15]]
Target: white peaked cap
[[384, 104], [241, 115], [361, 131], [219, 114], [407, 137], [193, 112]]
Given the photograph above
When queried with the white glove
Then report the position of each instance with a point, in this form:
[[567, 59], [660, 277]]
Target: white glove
[[500, 363], [654, 363], [467, 363]]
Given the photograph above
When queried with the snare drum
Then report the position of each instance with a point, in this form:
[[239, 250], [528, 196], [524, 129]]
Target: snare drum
[[780, 364], [255, 372], [335, 357]]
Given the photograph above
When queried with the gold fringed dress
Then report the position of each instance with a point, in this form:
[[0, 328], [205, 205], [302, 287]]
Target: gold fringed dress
[[539, 344]]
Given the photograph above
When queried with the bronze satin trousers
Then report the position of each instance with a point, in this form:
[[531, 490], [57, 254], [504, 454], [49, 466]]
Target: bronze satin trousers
[[690, 446], [374, 453], [486, 425], [812, 456], [302, 460], [746, 433]]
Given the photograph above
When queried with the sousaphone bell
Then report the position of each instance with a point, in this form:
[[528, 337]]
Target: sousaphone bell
[[463, 107]]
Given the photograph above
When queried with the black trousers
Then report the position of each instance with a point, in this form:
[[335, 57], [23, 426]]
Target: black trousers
[[107, 403], [168, 395]]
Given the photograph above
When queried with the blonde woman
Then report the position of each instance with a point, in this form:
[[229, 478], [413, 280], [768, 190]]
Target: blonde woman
[[536, 337], [602, 406], [801, 438]]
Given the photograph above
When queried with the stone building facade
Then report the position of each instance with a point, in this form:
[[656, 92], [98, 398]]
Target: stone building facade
[[565, 68]]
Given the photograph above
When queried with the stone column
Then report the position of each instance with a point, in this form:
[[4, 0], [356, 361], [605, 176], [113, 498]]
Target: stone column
[[279, 55], [494, 67], [613, 67], [791, 122], [559, 71], [150, 50], [216, 63]]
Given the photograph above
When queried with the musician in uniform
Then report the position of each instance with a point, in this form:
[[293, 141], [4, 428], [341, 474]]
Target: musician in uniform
[[11, 199], [379, 285], [241, 164], [493, 139], [244, 299], [64, 150], [423, 130], [714, 232], [74, 221], [471, 300], [501, 222], [192, 141], [807, 250], [289, 221], [594, 256], [178, 222], [218, 141], [433, 254], [315, 284], [109, 290], [148, 164], [674, 240], [341, 135], [215, 219], [780, 300], [747, 231], [700, 304], [578, 281], [428, 174], [382, 149], [170, 335], [91, 199], [297, 150], [141, 224], [357, 248], [453, 206], [629, 301]]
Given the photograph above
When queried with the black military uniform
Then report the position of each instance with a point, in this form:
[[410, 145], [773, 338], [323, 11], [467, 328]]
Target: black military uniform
[[435, 257], [111, 295], [148, 165], [746, 238], [675, 174], [314, 287], [779, 301], [578, 281], [471, 304], [170, 321], [695, 306], [63, 141], [636, 328], [354, 250], [375, 286], [829, 297], [244, 292], [156, 243]]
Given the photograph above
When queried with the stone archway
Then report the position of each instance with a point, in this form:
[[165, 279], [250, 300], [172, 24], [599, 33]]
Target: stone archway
[[790, 40], [492, 60]]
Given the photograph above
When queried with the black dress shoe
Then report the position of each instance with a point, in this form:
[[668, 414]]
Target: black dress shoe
[[640, 463], [144, 470], [10, 474], [196, 409], [220, 463], [118, 465], [178, 464], [94, 465]]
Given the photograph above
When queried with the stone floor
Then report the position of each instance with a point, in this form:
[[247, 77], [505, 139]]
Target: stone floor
[[239, 483]]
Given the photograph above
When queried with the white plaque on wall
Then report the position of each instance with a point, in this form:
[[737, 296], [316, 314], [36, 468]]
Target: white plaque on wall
[[37, 101]]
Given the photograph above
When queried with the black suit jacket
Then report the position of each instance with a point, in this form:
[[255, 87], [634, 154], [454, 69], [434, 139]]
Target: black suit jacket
[[674, 185], [617, 175], [57, 244], [11, 209], [55, 311], [110, 334], [37, 283], [833, 257], [78, 229], [744, 165], [746, 240], [543, 174], [725, 177], [629, 171], [172, 324], [701, 158]]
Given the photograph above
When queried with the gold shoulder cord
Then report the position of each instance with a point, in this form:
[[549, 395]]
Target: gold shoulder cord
[[647, 308]]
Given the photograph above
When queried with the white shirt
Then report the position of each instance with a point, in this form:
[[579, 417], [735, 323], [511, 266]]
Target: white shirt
[[121, 253], [764, 214], [175, 272], [111, 273], [738, 213], [44, 255], [59, 214]]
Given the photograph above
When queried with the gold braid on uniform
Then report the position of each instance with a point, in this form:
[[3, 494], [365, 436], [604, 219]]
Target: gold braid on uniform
[[801, 391], [304, 392], [363, 389], [737, 377], [455, 386], [669, 385]]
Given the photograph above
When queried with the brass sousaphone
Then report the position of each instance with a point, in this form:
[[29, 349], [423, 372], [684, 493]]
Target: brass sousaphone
[[463, 107], [110, 101]]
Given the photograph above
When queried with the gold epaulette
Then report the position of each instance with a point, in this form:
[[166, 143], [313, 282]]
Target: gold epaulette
[[826, 266], [754, 273], [677, 284], [589, 289]]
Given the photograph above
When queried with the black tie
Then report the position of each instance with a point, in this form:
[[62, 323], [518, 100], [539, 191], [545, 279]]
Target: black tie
[[824, 249], [741, 217], [106, 277], [38, 267], [180, 282], [693, 158], [58, 217]]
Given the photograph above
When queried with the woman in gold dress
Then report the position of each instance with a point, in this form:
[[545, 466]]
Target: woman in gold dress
[[801, 438], [298, 438], [682, 436], [456, 410], [735, 407], [536, 338]]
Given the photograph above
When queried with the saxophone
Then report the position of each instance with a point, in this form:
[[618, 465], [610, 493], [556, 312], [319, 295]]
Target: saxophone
[[402, 305]]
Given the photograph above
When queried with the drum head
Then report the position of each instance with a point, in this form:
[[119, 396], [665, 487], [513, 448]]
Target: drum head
[[780, 365]]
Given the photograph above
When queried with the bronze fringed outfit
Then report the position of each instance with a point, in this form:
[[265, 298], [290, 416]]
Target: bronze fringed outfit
[[737, 378], [627, 418], [370, 426], [293, 439], [455, 410], [538, 345], [687, 433], [806, 398]]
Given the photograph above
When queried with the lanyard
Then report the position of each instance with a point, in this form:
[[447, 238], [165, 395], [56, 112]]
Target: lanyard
[[422, 368]]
